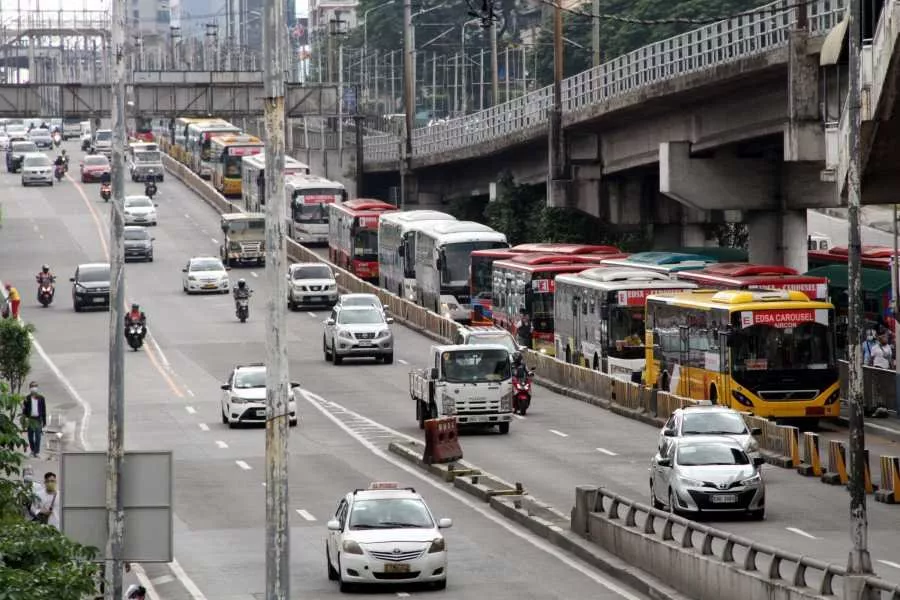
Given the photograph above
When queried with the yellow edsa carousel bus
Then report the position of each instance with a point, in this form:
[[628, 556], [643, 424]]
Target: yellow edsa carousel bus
[[769, 352], [225, 154]]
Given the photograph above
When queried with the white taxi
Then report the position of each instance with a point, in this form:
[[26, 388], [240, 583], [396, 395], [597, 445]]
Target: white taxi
[[385, 534]]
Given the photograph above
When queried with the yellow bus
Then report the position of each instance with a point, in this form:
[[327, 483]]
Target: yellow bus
[[197, 143], [179, 132], [225, 153], [768, 352]]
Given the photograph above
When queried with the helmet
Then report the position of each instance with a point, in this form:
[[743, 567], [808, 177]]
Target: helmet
[[136, 591], [242, 283], [135, 306], [63, 152], [517, 357], [45, 268]]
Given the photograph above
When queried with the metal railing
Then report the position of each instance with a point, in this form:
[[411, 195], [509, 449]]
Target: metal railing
[[806, 574], [703, 48], [80, 20]]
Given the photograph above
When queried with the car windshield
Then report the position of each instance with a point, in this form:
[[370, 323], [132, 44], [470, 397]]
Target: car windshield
[[473, 366], [711, 454], [104, 136], [360, 317], [211, 264], [313, 272], [23, 147], [37, 161], [361, 301], [40, 133], [713, 423], [494, 338], [390, 513], [147, 157], [244, 380], [96, 161], [136, 234], [138, 202], [93, 274]]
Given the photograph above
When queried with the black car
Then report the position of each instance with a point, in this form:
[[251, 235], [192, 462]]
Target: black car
[[138, 244], [90, 286], [16, 154]]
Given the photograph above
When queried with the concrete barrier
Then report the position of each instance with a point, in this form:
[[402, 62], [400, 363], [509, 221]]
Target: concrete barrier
[[704, 562], [811, 460], [889, 492], [837, 464]]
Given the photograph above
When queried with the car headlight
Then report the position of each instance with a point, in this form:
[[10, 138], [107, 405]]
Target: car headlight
[[345, 334], [752, 480], [191, 278], [383, 333], [80, 288], [506, 402], [690, 482], [753, 445], [237, 400], [351, 547], [234, 246], [437, 545]]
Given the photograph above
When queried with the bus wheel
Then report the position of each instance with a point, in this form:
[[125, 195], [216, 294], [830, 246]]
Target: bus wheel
[[713, 395]]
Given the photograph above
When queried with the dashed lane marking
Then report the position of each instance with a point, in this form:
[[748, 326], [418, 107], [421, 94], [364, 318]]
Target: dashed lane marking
[[203, 426], [191, 410], [312, 315], [253, 273], [187, 216], [402, 362], [606, 452], [306, 516], [243, 465], [223, 445], [402, 595], [559, 433], [214, 240], [162, 580], [190, 393], [801, 532], [890, 563]]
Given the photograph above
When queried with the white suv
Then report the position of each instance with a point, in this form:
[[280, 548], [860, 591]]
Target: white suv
[[710, 420], [479, 335], [244, 396], [311, 284]]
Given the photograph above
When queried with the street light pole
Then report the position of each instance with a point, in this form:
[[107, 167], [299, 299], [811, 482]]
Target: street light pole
[[278, 387], [859, 563], [366, 43], [462, 43]]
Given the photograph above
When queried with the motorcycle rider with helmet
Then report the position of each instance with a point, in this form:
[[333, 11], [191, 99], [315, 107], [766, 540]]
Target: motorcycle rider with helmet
[[45, 277], [520, 369], [150, 187], [136, 316], [136, 592], [241, 291], [62, 160]]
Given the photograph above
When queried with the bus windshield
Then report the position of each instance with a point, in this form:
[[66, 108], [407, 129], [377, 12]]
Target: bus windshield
[[233, 166], [312, 214], [482, 277], [626, 329], [472, 366], [365, 245], [765, 347], [457, 257]]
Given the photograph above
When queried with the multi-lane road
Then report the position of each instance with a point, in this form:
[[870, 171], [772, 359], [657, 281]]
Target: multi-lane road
[[349, 413], [172, 402]]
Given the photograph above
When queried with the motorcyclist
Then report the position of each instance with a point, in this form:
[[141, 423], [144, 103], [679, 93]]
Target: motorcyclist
[[520, 369], [45, 276], [106, 178], [136, 316], [62, 160], [136, 592], [92, 150], [241, 291], [150, 188]]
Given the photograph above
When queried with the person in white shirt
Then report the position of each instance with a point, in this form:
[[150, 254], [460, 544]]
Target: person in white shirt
[[48, 501], [881, 353]]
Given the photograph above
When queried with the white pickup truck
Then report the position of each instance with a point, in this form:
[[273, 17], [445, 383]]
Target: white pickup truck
[[471, 383]]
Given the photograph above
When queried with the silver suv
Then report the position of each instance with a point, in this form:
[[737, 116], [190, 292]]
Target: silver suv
[[358, 331], [311, 284]]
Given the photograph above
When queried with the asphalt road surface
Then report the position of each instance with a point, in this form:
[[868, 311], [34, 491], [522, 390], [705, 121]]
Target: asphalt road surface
[[173, 402]]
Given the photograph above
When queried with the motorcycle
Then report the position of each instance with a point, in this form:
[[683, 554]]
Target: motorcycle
[[150, 189], [242, 309], [105, 191], [85, 144], [134, 333], [57, 139], [59, 172], [45, 294], [522, 393]]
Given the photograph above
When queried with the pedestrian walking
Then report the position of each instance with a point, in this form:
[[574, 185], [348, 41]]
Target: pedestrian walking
[[34, 410], [14, 300], [48, 507], [31, 507]]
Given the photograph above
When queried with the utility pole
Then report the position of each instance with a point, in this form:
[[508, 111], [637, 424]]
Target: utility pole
[[595, 32], [495, 76], [556, 186], [278, 386], [115, 542], [860, 563], [409, 100]]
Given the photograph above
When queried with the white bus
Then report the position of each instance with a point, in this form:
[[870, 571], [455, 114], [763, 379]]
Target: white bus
[[397, 248], [253, 184], [598, 317], [307, 198], [443, 254]]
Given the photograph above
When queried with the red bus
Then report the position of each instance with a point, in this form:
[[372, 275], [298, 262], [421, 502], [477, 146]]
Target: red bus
[[742, 276], [353, 235], [143, 130], [481, 273], [872, 257], [525, 284]]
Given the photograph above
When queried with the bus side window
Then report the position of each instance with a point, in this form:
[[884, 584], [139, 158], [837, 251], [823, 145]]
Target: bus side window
[[593, 305]]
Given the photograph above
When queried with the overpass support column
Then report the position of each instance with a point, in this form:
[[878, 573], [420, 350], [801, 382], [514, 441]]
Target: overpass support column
[[778, 238]]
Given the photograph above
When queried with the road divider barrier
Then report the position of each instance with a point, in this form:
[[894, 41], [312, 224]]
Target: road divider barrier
[[441, 441], [810, 460], [780, 445], [837, 464], [889, 492]]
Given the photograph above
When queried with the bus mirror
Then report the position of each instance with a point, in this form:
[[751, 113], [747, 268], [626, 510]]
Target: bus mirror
[[433, 374], [440, 263], [401, 251], [224, 227]]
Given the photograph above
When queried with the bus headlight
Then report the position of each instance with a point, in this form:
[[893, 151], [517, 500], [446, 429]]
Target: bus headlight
[[834, 397], [742, 398]]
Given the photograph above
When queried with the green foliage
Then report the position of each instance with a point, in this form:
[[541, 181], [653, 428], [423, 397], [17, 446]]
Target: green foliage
[[731, 235], [15, 352], [618, 38], [12, 446]]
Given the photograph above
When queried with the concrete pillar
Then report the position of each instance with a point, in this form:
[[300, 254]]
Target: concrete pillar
[[585, 502], [586, 188], [624, 196], [678, 235], [778, 238], [804, 138]]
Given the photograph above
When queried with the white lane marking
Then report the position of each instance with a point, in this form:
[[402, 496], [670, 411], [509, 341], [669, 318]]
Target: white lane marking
[[606, 452], [159, 351], [41, 235], [203, 426], [264, 484], [474, 506], [312, 315], [306, 516], [214, 240], [35, 228], [243, 465], [191, 410], [162, 580], [190, 393], [402, 362], [889, 563], [801, 532], [559, 433], [187, 216], [221, 444], [141, 575], [402, 595], [85, 407], [186, 581], [254, 273]]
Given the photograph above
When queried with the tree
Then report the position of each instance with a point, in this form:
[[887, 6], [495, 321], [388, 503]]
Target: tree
[[15, 352], [37, 562], [516, 211]]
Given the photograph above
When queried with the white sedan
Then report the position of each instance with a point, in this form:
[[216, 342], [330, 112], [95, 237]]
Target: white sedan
[[140, 210], [205, 274], [386, 535]]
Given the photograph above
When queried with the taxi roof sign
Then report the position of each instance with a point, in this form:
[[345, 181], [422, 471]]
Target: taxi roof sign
[[384, 485]]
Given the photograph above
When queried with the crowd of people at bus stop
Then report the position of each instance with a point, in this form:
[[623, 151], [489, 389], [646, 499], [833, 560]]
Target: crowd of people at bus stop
[[880, 347]]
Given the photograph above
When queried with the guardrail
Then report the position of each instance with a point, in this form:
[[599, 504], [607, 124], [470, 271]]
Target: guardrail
[[766, 28], [81, 20], [879, 388], [740, 564]]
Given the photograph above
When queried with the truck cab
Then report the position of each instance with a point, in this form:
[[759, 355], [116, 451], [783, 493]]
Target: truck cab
[[471, 383], [245, 238]]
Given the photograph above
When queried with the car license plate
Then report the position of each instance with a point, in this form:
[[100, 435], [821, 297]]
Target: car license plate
[[724, 499], [315, 298], [365, 343], [209, 286], [98, 300], [396, 568], [260, 412]]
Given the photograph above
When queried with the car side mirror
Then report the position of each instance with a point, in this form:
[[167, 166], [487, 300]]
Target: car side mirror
[[156, 205], [294, 384], [72, 279], [523, 348], [756, 431], [669, 433], [184, 270], [758, 461], [225, 386], [152, 239], [329, 322], [445, 523], [389, 320], [664, 462], [333, 525]]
